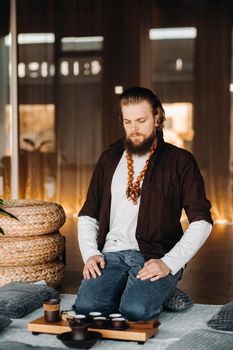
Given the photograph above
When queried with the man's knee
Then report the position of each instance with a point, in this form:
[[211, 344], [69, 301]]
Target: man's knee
[[91, 297], [133, 312], [136, 311], [84, 303]]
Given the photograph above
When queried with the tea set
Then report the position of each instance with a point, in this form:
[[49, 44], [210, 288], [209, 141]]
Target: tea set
[[80, 335], [79, 323]]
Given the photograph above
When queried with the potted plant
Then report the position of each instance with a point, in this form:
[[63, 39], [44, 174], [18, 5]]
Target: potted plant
[[4, 212]]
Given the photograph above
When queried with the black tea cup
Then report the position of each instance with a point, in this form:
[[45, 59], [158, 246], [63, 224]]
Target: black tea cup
[[99, 322], [118, 323], [52, 310]]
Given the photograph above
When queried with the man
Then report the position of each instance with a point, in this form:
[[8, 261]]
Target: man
[[129, 230]]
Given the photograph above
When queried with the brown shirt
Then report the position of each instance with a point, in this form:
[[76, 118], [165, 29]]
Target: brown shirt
[[173, 181]]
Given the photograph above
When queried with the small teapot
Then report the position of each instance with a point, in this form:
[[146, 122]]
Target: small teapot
[[79, 318], [79, 331]]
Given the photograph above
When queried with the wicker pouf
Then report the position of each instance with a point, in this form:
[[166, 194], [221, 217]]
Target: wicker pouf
[[34, 250], [34, 217], [52, 273]]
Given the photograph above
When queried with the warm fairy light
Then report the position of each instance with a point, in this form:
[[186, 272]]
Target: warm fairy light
[[178, 126], [173, 33], [118, 89], [179, 64], [68, 210], [223, 222]]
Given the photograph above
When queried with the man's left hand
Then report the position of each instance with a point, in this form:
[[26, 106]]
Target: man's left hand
[[153, 269]]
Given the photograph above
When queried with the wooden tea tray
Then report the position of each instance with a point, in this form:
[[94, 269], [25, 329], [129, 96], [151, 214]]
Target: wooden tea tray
[[140, 335]]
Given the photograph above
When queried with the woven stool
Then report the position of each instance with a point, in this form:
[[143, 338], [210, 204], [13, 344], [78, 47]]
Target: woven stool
[[34, 250], [34, 217], [52, 273]]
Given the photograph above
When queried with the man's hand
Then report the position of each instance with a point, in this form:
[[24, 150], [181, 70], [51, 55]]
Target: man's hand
[[153, 269], [91, 268]]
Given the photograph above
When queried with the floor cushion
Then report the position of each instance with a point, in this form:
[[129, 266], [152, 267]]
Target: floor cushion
[[19, 298], [32, 250], [35, 217], [204, 339], [179, 301], [223, 319], [52, 273], [4, 322]]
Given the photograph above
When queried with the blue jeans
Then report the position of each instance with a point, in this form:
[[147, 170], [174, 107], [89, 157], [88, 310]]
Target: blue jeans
[[118, 289]]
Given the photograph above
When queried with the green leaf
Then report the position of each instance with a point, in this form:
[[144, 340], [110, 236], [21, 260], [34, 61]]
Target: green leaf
[[4, 212]]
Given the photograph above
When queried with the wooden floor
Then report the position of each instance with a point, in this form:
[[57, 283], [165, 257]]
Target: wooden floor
[[208, 278]]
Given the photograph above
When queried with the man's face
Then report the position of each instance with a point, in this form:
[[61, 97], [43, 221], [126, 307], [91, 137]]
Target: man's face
[[139, 122]]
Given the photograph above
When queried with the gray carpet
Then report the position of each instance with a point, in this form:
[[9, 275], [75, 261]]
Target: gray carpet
[[173, 327], [201, 339]]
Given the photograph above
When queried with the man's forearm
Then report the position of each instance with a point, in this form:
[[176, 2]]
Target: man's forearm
[[192, 240], [88, 229]]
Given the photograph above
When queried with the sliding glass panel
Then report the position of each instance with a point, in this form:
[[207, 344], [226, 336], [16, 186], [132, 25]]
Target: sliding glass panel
[[172, 52], [60, 100], [79, 125], [60, 104], [37, 139]]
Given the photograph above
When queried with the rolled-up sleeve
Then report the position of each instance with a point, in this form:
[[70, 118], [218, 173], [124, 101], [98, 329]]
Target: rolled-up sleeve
[[196, 205], [91, 207]]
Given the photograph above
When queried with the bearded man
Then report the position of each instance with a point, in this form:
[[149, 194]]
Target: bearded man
[[129, 229]]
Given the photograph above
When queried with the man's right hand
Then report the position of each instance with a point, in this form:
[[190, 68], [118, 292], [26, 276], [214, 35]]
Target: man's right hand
[[91, 268]]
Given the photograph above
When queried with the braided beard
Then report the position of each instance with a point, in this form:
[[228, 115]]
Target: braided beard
[[141, 148]]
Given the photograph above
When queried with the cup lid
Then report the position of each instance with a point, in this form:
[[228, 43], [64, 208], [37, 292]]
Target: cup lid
[[79, 316], [114, 315], [52, 301], [95, 313]]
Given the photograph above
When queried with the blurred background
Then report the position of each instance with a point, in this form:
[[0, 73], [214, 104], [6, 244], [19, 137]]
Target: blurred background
[[63, 64]]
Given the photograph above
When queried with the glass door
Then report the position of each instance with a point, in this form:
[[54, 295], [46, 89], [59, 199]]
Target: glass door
[[78, 117]]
